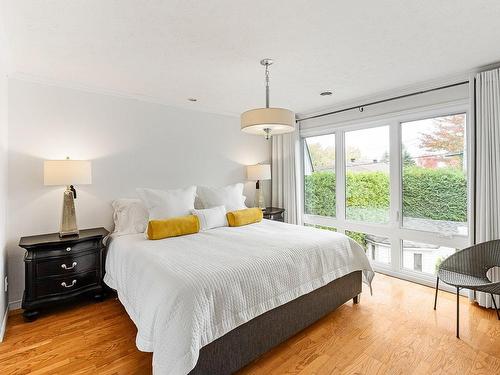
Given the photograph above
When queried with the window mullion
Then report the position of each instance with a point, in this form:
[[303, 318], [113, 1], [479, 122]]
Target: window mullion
[[340, 176], [395, 201]]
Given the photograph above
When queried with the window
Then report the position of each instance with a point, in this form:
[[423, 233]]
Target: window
[[435, 175], [367, 174], [377, 248], [424, 257], [319, 175], [399, 187], [417, 262]]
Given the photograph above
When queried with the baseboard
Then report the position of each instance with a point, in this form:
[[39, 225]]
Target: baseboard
[[14, 305], [4, 324]]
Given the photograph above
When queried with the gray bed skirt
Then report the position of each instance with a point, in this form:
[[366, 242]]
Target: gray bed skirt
[[247, 342]]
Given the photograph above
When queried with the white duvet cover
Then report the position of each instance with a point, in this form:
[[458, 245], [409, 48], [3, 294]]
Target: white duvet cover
[[183, 293]]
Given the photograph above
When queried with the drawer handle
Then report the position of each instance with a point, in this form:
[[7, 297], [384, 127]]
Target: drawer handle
[[68, 286], [68, 248], [65, 267]]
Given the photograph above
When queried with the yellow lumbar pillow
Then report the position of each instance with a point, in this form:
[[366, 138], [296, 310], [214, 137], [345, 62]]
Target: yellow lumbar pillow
[[244, 217], [173, 227]]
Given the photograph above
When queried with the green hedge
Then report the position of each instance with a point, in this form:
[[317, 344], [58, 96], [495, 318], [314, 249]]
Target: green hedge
[[439, 194], [319, 190]]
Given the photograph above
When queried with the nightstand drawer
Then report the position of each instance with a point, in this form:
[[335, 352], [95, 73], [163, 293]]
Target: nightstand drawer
[[69, 249], [67, 265], [68, 284]]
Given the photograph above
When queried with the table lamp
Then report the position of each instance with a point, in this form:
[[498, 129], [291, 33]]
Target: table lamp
[[67, 173], [258, 173]]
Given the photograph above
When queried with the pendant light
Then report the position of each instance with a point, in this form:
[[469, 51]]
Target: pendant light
[[268, 121]]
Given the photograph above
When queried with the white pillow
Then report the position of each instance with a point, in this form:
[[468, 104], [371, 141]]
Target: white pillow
[[130, 216], [162, 204], [230, 196], [211, 217]]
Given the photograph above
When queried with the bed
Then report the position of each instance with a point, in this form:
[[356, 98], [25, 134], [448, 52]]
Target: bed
[[211, 302]]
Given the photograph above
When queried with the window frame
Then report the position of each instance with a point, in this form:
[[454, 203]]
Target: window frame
[[394, 229], [469, 168]]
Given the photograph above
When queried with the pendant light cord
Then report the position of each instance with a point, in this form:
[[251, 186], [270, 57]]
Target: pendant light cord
[[267, 85]]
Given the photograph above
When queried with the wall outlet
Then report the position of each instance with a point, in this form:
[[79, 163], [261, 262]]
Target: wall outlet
[[5, 284]]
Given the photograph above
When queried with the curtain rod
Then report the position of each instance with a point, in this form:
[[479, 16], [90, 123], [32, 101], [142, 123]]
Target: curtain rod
[[361, 106]]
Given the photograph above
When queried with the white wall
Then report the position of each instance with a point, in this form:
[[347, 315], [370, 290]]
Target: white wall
[[131, 144]]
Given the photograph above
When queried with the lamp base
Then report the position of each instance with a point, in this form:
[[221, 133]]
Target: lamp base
[[69, 234], [68, 221], [260, 202]]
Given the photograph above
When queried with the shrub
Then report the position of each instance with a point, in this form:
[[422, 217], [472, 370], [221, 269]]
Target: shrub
[[358, 237], [438, 194], [367, 189], [319, 191]]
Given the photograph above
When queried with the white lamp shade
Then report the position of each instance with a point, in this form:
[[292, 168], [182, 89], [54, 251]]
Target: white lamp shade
[[259, 172], [278, 120], [67, 172]]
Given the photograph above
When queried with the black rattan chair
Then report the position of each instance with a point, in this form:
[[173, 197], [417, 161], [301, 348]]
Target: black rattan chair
[[466, 269]]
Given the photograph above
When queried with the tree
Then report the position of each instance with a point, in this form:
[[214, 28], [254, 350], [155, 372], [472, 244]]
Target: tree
[[353, 153], [321, 157], [448, 135], [407, 158]]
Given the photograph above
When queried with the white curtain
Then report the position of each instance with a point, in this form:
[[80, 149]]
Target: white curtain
[[286, 186], [487, 220]]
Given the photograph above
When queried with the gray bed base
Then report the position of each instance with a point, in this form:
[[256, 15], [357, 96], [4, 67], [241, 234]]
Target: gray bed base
[[247, 342]]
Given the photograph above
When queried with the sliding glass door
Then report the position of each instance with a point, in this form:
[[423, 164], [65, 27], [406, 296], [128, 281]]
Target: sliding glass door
[[399, 186]]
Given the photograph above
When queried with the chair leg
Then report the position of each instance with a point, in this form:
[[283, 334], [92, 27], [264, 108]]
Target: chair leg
[[495, 304], [458, 312], [436, 296]]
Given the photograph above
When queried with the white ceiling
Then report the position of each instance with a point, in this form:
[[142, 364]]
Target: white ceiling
[[167, 51]]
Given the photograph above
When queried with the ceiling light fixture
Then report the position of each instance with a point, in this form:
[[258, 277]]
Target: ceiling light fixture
[[326, 93], [192, 99], [268, 121]]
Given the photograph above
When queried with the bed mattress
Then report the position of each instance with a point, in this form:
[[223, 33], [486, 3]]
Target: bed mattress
[[185, 292]]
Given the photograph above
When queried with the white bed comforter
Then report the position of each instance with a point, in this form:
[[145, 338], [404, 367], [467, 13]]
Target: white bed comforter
[[183, 293]]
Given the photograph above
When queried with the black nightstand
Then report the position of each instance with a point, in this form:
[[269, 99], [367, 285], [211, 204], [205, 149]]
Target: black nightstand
[[57, 268], [274, 213]]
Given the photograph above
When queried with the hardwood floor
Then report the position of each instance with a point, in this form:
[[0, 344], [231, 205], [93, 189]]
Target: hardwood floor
[[394, 331]]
